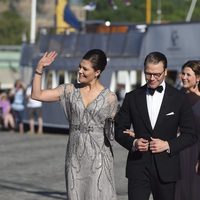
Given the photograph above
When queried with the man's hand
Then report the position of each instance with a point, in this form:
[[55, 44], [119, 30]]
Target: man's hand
[[157, 145], [141, 144]]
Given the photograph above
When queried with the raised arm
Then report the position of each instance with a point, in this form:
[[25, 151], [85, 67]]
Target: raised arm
[[37, 92]]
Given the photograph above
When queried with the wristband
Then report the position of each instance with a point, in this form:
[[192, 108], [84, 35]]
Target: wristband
[[38, 73]]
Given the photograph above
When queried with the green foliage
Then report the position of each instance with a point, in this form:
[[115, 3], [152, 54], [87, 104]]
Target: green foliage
[[11, 29], [172, 11], [13, 25]]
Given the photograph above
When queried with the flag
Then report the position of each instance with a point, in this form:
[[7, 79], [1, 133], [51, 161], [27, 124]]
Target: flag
[[90, 7], [70, 18], [61, 25]]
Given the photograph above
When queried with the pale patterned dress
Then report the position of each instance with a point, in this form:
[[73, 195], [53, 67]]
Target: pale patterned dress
[[89, 159]]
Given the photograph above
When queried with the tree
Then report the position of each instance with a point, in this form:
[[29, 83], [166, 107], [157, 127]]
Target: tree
[[135, 12], [11, 29]]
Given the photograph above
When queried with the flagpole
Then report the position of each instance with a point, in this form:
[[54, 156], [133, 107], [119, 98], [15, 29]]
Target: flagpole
[[191, 10], [33, 21], [159, 11], [148, 11]]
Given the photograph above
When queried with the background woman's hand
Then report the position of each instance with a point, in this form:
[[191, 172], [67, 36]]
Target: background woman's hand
[[46, 60]]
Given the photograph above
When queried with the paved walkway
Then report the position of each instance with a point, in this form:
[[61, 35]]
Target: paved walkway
[[32, 167]]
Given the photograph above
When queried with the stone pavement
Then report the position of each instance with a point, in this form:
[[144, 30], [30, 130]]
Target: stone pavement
[[32, 167]]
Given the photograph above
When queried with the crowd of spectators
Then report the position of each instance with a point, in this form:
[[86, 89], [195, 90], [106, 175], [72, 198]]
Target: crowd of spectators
[[15, 104]]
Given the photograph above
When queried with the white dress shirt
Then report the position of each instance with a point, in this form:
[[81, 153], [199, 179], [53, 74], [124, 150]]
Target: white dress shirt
[[154, 103]]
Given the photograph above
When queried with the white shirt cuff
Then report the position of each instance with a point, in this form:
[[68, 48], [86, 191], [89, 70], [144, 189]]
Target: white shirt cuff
[[134, 147]]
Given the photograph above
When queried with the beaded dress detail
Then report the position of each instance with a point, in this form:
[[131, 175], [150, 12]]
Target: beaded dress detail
[[89, 159]]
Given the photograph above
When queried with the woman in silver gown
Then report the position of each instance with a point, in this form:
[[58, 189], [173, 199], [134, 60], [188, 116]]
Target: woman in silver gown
[[87, 104]]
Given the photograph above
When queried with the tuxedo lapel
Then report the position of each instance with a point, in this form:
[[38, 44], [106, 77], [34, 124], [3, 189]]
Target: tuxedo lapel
[[166, 103], [142, 106]]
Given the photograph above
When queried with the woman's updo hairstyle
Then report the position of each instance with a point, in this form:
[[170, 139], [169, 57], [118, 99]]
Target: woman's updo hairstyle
[[98, 59]]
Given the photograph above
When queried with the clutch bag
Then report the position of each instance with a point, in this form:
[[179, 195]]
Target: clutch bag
[[109, 129]]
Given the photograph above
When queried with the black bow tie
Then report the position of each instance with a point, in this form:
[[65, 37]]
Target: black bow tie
[[152, 90]]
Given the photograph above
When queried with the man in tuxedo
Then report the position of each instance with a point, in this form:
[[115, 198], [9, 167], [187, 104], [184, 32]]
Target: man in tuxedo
[[157, 112]]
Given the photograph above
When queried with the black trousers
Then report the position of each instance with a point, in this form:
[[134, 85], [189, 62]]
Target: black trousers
[[147, 182]]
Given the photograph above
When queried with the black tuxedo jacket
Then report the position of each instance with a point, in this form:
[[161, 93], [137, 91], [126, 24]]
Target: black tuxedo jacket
[[175, 116]]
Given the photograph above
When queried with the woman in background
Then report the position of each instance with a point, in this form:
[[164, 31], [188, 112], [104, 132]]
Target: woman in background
[[18, 105], [8, 120], [188, 188]]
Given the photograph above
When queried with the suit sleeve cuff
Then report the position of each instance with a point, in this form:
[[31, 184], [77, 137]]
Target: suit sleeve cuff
[[168, 150]]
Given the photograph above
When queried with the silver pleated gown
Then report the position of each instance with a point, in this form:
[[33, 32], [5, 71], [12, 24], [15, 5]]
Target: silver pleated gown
[[89, 159]]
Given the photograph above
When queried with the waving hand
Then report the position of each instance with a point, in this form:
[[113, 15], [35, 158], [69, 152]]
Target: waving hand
[[46, 60], [37, 92]]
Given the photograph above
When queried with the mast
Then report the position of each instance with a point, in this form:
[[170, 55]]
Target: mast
[[33, 21], [190, 12]]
